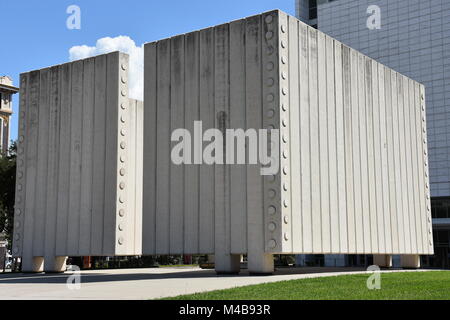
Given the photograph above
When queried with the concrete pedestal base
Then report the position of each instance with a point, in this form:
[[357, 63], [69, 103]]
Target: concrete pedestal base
[[55, 264], [227, 264], [260, 263], [33, 264], [382, 260], [410, 261]]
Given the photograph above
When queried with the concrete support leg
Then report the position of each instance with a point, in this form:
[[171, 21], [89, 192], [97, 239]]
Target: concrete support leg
[[382, 260], [55, 264], [32, 264], [260, 263], [410, 261], [227, 263]]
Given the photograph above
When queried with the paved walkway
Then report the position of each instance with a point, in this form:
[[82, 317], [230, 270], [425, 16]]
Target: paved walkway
[[144, 283]]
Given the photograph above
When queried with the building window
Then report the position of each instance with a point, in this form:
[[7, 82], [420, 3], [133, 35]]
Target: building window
[[312, 9], [440, 208]]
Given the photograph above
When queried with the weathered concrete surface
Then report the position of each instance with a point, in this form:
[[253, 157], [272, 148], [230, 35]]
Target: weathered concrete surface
[[146, 283]]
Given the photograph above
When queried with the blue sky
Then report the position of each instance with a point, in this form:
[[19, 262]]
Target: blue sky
[[39, 37]]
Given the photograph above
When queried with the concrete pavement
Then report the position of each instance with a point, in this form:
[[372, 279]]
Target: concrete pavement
[[145, 283]]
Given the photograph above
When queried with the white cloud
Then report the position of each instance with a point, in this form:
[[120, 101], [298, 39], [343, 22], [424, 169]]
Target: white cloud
[[124, 44]]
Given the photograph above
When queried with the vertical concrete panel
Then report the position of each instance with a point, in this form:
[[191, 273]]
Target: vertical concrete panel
[[19, 212], [332, 160], [138, 174], [87, 151], [111, 145], [163, 155], [409, 166], [282, 98], [76, 113], [391, 153], [42, 163], [52, 169], [98, 156], [176, 219], [295, 138], [383, 101], [150, 142], [314, 141], [191, 172], [238, 172], [371, 222], [355, 224], [64, 160], [31, 169], [207, 116], [305, 147], [323, 143], [363, 218], [413, 106], [341, 208], [397, 162]]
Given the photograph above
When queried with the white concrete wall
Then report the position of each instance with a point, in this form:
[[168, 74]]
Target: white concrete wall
[[78, 158], [354, 175]]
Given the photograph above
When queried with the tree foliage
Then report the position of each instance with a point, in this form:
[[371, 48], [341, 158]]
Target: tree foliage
[[7, 192]]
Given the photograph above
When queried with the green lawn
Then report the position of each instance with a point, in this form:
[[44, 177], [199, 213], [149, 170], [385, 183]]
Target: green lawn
[[394, 286]]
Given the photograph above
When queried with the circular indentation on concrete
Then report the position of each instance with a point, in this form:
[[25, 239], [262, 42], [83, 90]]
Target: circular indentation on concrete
[[423, 108], [270, 82], [272, 210], [283, 75], [269, 50], [427, 186], [269, 19], [18, 212], [284, 123], [123, 79], [121, 212], [17, 236], [19, 199], [286, 219], [124, 93], [431, 243], [285, 154], [120, 241], [286, 236], [272, 226], [284, 107], [21, 138], [270, 113], [285, 187], [123, 105], [283, 60], [124, 66], [286, 203], [283, 28], [272, 193], [120, 227], [122, 185], [270, 97], [272, 243], [270, 66], [121, 199], [430, 231], [285, 171], [283, 44], [20, 174], [285, 138], [122, 119], [17, 224], [123, 145], [122, 159], [269, 35], [429, 219], [284, 91], [122, 171], [19, 187], [422, 97]]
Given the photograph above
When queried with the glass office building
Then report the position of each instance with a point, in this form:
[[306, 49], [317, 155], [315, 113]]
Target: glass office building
[[413, 38]]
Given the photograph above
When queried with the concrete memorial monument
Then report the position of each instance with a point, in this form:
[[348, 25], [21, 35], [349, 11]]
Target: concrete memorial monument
[[345, 171]]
